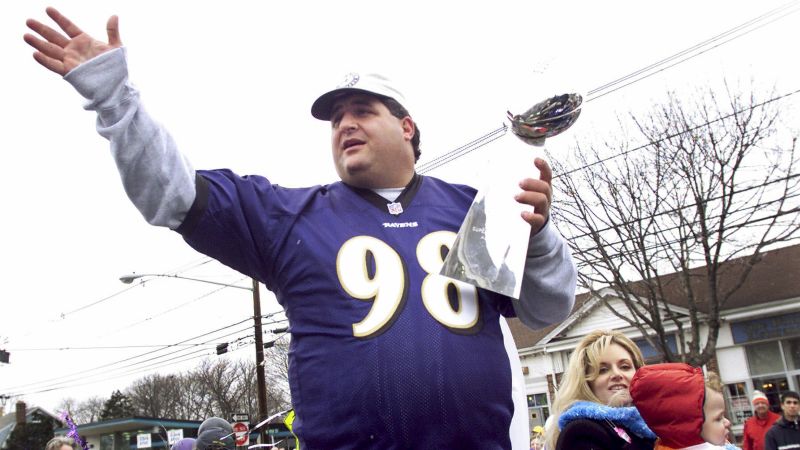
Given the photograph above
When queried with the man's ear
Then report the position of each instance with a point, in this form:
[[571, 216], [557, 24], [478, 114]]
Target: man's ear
[[409, 130]]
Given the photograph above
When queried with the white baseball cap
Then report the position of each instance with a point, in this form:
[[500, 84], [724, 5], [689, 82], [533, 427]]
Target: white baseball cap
[[370, 83]]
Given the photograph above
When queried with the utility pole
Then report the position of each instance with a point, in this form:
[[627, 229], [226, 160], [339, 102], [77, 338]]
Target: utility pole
[[261, 381], [260, 378]]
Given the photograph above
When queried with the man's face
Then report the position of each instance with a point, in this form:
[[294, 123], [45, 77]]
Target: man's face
[[790, 407], [371, 148], [761, 408]]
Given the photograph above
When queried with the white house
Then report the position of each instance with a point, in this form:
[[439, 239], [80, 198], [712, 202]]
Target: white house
[[758, 345]]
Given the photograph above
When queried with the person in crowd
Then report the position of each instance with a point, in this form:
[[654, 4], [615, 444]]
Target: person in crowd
[[785, 433], [215, 433], [592, 408], [184, 444], [61, 443], [537, 438], [756, 427], [385, 352], [215, 422], [683, 408]]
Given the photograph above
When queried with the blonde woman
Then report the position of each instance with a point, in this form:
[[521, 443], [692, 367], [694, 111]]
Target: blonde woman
[[592, 407], [61, 443]]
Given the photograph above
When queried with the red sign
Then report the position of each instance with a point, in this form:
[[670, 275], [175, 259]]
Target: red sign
[[242, 432]]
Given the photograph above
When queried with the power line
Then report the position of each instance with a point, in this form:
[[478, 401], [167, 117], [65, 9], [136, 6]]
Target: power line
[[56, 382], [692, 205], [688, 51], [95, 303], [167, 311], [676, 134], [108, 347], [463, 150], [86, 383], [590, 262], [138, 356], [118, 347], [156, 365], [449, 156], [104, 299], [65, 383]]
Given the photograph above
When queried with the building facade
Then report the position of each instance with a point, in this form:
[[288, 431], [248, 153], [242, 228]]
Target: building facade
[[758, 346]]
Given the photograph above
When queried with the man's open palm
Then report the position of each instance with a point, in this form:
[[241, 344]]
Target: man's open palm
[[61, 53]]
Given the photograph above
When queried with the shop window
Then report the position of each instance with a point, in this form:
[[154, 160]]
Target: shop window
[[537, 400], [107, 442], [772, 387], [737, 402], [791, 351], [650, 354], [764, 358]]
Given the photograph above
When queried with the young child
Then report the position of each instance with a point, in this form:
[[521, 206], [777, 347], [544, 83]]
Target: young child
[[684, 410]]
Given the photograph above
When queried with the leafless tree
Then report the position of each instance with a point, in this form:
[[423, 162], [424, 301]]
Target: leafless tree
[[81, 412], [714, 185], [277, 373], [216, 387], [156, 395]]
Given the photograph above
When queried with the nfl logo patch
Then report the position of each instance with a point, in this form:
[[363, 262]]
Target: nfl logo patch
[[350, 80], [395, 208]]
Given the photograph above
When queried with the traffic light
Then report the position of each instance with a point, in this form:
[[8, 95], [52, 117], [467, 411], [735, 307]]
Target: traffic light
[[222, 348], [4, 356]]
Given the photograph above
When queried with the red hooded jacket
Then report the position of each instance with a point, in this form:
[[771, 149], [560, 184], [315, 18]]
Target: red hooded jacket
[[670, 398], [755, 429]]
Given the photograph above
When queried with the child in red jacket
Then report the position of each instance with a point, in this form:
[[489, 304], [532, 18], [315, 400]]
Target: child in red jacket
[[681, 407]]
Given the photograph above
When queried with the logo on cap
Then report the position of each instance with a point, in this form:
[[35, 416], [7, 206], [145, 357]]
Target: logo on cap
[[350, 80]]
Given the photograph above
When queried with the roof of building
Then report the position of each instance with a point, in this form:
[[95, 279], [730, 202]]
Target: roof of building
[[9, 421], [132, 423], [766, 283]]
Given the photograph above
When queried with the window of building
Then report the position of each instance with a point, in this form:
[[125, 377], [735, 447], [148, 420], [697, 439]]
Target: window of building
[[107, 442], [764, 358], [737, 402], [650, 354], [538, 409], [772, 347], [537, 400], [791, 353], [772, 387], [775, 368]]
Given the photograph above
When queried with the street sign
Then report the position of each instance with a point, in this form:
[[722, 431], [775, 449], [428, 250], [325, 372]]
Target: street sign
[[174, 435], [143, 441], [242, 432], [240, 418]]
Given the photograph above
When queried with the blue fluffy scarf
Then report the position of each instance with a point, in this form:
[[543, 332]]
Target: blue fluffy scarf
[[626, 416]]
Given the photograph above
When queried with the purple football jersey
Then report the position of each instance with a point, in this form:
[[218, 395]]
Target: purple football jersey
[[385, 353]]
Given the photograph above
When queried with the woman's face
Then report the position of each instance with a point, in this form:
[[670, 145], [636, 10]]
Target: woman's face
[[615, 372]]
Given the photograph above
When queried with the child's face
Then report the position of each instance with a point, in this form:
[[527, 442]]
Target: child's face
[[716, 426]]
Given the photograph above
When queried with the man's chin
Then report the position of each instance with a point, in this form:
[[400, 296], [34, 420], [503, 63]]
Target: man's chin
[[356, 175]]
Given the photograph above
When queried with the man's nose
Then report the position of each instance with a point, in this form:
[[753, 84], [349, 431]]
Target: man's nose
[[347, 123]]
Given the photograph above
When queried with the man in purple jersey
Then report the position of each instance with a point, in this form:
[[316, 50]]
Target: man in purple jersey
[[385, 352]]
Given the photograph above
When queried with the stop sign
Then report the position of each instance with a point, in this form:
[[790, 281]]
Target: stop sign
[[241, 431]]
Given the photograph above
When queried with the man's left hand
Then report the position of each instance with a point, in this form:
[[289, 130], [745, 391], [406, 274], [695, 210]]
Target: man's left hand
[[539, 194]]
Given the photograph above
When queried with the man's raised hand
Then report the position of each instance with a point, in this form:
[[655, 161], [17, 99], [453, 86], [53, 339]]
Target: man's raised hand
[[61, 53]]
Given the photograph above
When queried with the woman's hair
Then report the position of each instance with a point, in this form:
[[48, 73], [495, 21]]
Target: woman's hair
[[583, 368], [59, 441]]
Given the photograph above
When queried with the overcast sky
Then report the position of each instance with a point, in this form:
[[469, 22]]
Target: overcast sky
[[234, 83]]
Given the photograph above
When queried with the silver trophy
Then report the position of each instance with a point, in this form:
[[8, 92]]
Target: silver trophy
[[490, 248]]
